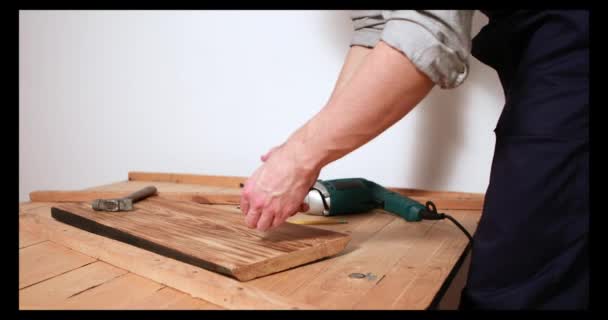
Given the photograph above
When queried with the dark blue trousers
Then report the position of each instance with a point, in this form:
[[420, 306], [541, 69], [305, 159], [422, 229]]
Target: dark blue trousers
[[531, 248]]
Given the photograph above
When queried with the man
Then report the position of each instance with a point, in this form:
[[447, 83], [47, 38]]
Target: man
[[530, 249]]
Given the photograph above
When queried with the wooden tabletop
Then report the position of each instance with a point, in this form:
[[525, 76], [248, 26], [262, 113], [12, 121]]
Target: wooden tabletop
[[406, 265]]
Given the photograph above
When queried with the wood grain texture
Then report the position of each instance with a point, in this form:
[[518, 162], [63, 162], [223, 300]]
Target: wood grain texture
[[25, 206], [411, 280], [208, 180], [44, 256], [361, 227], [132, 292], [124, 292], [170, 299], [27, 239], [52, 293], [444, 200], [439, 194], [88, 196], [210, 238], [200, 283], [406, 264]]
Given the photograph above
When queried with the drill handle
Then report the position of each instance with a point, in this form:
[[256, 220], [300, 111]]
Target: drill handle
[[403, 206]]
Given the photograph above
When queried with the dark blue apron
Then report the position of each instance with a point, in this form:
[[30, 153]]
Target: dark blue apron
[[530, 250]]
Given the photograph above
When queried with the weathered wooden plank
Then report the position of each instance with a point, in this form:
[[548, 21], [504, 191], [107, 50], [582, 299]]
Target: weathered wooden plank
[[74, 196], [439, 194], [444, 200], [52, 293], [361, 227], [132, 185], [450, 204], [27, 239], [207, 237], [170, 299], [25, 206], [133, 292], [413, 281], [208, 180], [200, 283], [375, 258], [124, 292], [39, 262], [335, 289], [88, 196], [450, 299]]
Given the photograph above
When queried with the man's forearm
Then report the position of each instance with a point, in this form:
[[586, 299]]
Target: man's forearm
[[356, 55], [381, 91]]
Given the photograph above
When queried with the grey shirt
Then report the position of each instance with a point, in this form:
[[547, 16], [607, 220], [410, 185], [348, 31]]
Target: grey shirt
[[438, 42]]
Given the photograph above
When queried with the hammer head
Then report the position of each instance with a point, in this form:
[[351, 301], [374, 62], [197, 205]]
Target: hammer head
[[113, 205]]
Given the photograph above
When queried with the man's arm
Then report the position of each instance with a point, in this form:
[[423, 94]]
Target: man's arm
[[355, 56], [413, 49], [381, 91]]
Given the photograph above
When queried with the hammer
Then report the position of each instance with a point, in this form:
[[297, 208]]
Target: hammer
[[123, 204]]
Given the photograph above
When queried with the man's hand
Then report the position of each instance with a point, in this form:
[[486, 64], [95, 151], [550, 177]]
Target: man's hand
[[276, 189]]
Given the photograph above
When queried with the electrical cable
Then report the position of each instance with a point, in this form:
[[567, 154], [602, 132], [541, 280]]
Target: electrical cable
[[459, 226], [431, 214]]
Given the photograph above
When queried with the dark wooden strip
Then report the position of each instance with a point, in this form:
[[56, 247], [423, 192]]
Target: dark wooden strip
[[102, 230]]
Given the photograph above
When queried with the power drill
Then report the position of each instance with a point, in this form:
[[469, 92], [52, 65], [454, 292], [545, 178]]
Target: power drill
[[356, 195]]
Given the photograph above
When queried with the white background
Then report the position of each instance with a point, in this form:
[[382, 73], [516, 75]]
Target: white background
[[102, 93]]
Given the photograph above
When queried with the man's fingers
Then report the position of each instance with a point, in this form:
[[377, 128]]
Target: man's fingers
[[277, 221], [304, 207], [265, 221], [244, 201], [244, 205], [253, 215]]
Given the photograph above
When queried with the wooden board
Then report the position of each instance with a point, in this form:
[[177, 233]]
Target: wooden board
[[210, 286], [129, 290], [27, 239], [209, 180], [232, 196], [53, 292], [44, 256], [170, 299], [210, 238]]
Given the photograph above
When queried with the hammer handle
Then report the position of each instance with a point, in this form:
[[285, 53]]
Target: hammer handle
[[141, 194]]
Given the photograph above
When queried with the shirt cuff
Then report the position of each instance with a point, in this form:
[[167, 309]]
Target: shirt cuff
[[368, 26], [368, 37], [440, 63]]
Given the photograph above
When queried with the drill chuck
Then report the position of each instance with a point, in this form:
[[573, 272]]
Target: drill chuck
[[318, 200]]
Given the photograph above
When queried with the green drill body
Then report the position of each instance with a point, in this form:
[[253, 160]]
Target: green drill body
[[355, 195]]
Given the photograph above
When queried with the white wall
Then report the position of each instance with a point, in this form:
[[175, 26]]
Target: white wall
[[207, 92]]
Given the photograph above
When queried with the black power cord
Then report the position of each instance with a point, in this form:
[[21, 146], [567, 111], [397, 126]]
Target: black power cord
[[431, 214]]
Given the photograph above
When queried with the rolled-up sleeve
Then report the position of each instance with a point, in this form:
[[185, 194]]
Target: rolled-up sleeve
[[437, 42], [368, 26]]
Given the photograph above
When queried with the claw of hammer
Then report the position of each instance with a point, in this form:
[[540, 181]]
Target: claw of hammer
[[123, 204]]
